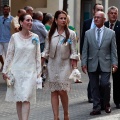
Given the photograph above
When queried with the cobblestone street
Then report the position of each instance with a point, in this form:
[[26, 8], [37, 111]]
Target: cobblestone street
[[79, 108]]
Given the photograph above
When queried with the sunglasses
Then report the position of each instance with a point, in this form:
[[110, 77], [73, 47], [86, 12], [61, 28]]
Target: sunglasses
[[4, 21]]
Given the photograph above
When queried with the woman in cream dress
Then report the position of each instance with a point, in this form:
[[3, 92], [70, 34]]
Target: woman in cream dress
[[60, 50], [23, 60]]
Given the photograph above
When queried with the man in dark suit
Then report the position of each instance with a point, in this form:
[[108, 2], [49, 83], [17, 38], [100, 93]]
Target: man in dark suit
[[114, 24], [89, 24], [99, 54]]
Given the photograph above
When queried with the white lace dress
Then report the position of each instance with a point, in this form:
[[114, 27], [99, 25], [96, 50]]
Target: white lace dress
[[59, 66], [24, 60]]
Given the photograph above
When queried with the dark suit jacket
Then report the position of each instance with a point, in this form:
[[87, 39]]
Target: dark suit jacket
[[117, 32], [86, 26]]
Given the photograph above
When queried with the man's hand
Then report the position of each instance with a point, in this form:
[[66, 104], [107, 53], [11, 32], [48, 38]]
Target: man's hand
[[114, 68], [84, 69]]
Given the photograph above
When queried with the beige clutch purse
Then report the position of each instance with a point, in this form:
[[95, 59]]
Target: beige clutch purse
[[11, 80]]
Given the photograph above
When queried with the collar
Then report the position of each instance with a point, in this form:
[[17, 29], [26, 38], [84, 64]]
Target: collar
[[102, 28], [35, 20], [93, 20], [57, 34], [112, 23], [8, 17]]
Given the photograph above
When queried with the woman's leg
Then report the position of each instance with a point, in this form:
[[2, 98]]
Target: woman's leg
[[25, 110], [55, 104], [64, 100], [19, 110]]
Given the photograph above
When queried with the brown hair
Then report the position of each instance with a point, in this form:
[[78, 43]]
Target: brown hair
[[22, 18], [54, 26]]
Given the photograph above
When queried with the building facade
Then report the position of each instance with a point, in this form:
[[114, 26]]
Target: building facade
[[79, 10]]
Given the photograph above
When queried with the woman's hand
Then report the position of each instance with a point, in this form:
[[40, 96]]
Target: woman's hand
[[5, 77], [74, 63], [42, 61]]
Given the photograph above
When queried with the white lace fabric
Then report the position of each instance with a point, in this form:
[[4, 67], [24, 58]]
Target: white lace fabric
[[59, 69], [24, 60]]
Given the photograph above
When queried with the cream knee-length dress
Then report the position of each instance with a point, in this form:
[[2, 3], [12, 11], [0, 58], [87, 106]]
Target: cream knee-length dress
[[59, 57], [24, 60]]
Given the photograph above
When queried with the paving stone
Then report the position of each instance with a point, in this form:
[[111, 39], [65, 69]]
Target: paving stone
[[79, 108]]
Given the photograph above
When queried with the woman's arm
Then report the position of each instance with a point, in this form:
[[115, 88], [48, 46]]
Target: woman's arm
[[9, 57], [74, 55], [38, 59]]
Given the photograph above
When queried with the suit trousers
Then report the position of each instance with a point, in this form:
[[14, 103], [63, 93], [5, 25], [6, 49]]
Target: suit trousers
[[89, 93], [100, 88], [116, 86]]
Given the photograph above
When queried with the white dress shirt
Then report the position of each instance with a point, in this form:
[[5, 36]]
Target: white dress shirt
[[101, 33], [92, 24], [113, 24]]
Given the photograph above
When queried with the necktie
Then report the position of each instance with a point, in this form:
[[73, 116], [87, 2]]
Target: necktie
[[98, 36], [111, 26]]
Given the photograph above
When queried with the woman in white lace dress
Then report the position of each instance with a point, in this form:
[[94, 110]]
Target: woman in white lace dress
[[23, 60], [60, 50]]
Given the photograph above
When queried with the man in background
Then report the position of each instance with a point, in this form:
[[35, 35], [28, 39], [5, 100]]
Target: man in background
[[99, 55], [89, 24], [5, 34], [114, 24], [15, 23], [39, 28], [29, 10]]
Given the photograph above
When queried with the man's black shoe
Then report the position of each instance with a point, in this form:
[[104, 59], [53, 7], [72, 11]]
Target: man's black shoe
[[90, 100], [95, 112], [108, 108]]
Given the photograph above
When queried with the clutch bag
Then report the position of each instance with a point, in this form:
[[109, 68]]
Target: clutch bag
[[75, 75], [11, 80], [39, 83]]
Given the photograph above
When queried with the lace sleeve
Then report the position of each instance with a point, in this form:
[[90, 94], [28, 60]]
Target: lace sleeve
[[38, 59], [9, 56], [45, 53], [74, 54]]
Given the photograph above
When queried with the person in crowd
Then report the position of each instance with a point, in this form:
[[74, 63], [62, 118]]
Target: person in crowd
[[89, 24], [114, 24], [39, 28], [5, 22], [14, 23], [72, 28], [29, 10], [48, 21], [98, 55], [23, 60], [61, 48], [69, 26]]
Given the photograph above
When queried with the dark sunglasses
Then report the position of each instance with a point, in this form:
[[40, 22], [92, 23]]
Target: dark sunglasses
[[4, 21]]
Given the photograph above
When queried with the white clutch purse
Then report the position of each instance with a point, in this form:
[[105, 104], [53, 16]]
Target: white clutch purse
[[39, 83], [75, 75], [11, 80]]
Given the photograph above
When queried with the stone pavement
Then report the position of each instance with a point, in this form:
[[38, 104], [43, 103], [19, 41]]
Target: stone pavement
[[79, 108]]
